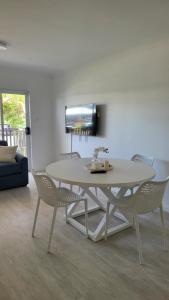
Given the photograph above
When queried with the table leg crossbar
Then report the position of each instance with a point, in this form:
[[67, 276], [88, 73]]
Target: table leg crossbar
[[99, 232]]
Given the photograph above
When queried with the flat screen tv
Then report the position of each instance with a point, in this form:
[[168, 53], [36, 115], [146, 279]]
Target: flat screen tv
[[81, 119]]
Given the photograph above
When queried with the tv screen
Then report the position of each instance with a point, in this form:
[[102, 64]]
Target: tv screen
[[81, 119]]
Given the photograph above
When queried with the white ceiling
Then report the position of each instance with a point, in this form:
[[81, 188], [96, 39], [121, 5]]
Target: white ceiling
[[62, 34]]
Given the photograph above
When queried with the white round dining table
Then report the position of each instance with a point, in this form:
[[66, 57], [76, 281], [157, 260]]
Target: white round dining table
[[124, 174]]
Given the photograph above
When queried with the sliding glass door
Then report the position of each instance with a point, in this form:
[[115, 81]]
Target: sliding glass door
[[15, 121], [1, 119]]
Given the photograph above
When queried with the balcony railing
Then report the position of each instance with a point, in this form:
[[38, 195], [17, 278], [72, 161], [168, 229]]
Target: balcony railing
[[15, 136]]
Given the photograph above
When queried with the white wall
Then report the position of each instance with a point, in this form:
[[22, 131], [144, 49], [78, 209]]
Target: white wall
[[134, 87], [39, 85]]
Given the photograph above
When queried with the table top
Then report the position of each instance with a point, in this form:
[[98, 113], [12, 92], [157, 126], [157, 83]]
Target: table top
[[124, 173]]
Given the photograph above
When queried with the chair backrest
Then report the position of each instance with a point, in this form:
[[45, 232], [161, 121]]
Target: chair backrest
[[70, 155], [49, 193], [149, 196], [149, 160], [161, 168], [46, 188]]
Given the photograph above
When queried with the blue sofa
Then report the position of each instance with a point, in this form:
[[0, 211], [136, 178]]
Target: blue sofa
[[13, 175]]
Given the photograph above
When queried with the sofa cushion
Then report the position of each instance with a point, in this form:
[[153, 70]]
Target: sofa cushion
[[8, 153], [9, 169]]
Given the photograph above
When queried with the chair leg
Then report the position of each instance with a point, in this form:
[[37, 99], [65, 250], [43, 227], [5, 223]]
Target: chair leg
[[52, 227], [36, 215], [133, 222], [107, 219], [139, 244], [96, 191], [163, 226], [132, 191], [66, 213], [86, 216]]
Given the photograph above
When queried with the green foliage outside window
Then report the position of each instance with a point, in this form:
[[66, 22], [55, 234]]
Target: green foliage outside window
[[14, 110]]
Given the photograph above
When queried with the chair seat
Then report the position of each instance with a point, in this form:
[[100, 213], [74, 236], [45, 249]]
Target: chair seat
[[69, 196]]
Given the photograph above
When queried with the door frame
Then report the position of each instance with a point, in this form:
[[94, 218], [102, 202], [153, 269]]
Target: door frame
[[28, 119]]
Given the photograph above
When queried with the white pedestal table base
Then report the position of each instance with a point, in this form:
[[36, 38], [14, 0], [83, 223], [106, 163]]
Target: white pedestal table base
[[99, 233]]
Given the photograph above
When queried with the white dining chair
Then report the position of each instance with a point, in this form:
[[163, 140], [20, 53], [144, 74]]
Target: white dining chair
[[69, 155], [148, 160], [72, 155], [55, 197], [148, 197]]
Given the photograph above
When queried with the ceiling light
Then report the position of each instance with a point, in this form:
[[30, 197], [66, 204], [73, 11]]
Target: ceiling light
[[3, 45]]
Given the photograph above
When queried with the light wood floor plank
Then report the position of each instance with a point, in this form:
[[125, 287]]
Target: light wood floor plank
[[77, 269]]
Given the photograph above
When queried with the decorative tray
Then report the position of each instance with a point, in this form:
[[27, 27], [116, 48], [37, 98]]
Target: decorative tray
[[100, 169]]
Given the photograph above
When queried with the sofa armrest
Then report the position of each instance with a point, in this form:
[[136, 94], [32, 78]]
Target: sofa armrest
[[23, 161]]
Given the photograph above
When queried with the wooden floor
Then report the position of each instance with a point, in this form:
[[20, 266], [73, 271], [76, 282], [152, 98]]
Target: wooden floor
[[77, 269]]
